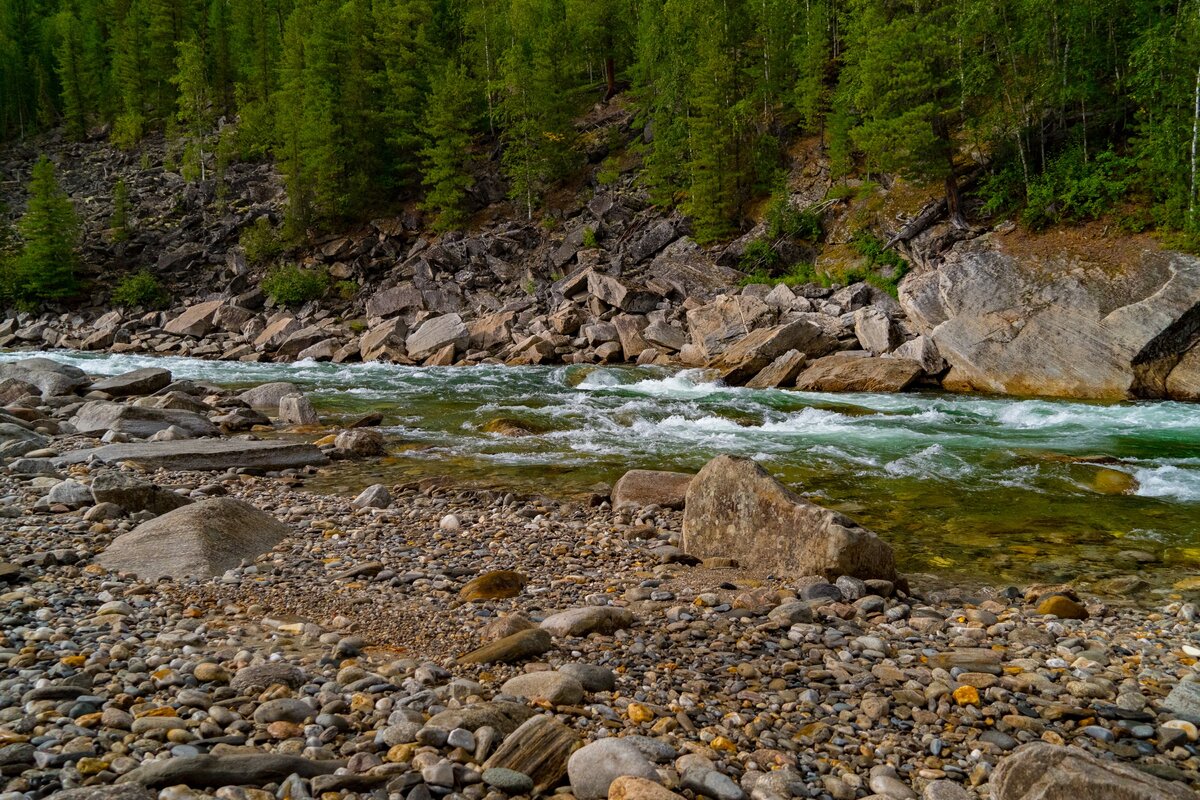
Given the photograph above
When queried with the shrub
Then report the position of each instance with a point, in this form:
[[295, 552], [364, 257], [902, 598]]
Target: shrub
[[291, 285], [759, 257], [139, 289], [785, 220], [589, 238], [261, 242], [346, 289], [796, 275], [884, 268], [609, 171]]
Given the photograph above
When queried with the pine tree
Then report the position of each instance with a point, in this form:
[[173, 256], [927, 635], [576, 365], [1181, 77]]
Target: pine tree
[[76, 87], [449, 122], [45, 268], [118, 223], [900, 76], [195, 110]]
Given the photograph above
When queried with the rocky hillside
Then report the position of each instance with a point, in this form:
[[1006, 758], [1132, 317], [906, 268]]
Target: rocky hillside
[[608, 278]]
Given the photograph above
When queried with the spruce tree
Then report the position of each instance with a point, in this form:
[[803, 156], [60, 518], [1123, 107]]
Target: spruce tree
[[118, 223], [194, 106], [447, 158], [45, 268]]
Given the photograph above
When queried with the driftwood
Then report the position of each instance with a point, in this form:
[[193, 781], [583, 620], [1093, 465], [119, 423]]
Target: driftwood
[[929, 215], [540, 749]]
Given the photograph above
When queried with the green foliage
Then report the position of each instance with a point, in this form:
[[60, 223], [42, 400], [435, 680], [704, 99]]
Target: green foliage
[[141, 289], [346, 289], [449, 122], [589, 238], [609, 171], [118, 223], [884, 268], [261, 242], [291, 285], [800, 274], [759, 258], [1075, 188], [44, 268], [786, 220]]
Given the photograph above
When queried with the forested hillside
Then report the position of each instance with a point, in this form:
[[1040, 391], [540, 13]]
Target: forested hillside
[[1060, 109]]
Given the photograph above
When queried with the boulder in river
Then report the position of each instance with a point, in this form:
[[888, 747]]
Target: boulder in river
[[297, 409], [138, 382], [1040, 771], [200, 540], [645, 487], [99, 416], [856, 371], [735, 509], [268, 395]]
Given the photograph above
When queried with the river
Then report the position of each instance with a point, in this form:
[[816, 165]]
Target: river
[[998, 489]]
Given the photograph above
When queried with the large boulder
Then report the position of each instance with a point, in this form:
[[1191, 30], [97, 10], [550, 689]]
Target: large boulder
[[100, 416], [201, 540], [725, 320], [629, 297], [1184, 381], [385, 339], [1040, 771], [744, 359], [203, 455], [736, 510], [268, 395], [196, 321], [16, 440], [645, 487], [147, 380], [435, 334], [855, 371], [51, 377], [391, 302], [1058, 326]]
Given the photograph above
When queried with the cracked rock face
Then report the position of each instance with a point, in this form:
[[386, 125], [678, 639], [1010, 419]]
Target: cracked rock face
[[1059, 328]]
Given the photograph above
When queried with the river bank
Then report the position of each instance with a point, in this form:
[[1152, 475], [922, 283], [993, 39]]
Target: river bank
[[394, 644]]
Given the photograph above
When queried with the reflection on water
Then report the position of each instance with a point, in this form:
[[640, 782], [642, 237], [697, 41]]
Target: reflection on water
[[999, 488]]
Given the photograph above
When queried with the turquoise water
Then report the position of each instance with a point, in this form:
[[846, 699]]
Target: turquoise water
[[1005, 489]]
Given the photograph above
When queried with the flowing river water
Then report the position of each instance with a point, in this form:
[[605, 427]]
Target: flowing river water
[[996, 489]]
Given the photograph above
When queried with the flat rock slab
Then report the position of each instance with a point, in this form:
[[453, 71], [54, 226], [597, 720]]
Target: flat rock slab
[[227, 770], [1039, 771], [204, 455]]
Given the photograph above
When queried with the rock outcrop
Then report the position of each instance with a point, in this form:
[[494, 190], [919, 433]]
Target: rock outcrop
[[1060, 327], [200, 540], [736, 510], [1039, 771]]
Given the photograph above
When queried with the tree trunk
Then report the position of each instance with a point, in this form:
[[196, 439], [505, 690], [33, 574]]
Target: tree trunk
[[610, 79], [954, 202]]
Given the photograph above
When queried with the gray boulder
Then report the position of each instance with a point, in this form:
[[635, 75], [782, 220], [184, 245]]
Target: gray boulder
[[200, 540], [49, 376], [138, 382], [296, 409], [587, 620], [856, 371], [594, 767], [644, 487], [1040, 771], [133, 495], [435, 334], [268, 395], [99, 416], [736, 510], [69, 493], [196, 321], [17, 441], [877, 332]]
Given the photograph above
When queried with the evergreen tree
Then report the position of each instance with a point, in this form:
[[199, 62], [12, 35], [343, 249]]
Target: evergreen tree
[[195, 109], [45, 267], [118, 223], [449, 122], [900, 77]]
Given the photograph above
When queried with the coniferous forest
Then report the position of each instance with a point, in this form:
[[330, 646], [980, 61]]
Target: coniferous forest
[[1057, 110]]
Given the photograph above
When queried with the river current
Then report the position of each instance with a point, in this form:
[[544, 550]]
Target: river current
[[993, 488]]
